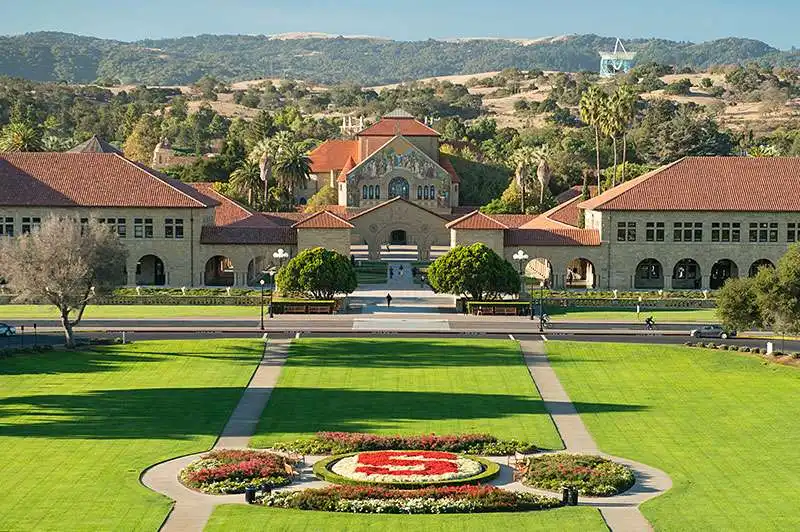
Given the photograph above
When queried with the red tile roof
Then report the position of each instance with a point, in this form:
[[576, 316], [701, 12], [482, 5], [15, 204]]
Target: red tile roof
[[396, 198], [332, 155], [230, 212], [248, 235], [90, 180], [552, 237], [512, 221], [476, 220], [445, 163], [762, 184], [391, 127], [323, 220], [348, 165]]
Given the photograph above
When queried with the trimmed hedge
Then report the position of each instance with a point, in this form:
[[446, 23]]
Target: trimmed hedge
[[321, 470], [591, 475]]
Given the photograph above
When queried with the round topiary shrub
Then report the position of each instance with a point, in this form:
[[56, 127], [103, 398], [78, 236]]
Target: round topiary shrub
[[590, 475], [406, 469], [744, 349], [231, 471]]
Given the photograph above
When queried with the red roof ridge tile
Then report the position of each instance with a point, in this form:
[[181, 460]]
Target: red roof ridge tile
[[394, 199], [476, 220], [323, 220], [170, 182]]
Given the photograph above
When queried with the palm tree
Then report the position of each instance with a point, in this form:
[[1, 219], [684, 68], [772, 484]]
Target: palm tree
[[611, 124], [262, 155], [590, 107], [292, 167], [19, 136], [627, 99], [523, 160], [246, 179], [543, 171]]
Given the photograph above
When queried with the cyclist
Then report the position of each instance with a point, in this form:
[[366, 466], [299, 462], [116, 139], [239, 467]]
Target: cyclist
[[649, 324]]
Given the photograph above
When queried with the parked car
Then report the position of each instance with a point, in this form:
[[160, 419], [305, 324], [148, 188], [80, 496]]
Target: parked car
[[712, 331], [7, 330]]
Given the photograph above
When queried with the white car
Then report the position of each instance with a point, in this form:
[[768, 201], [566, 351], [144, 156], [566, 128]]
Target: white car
[[7, 330]]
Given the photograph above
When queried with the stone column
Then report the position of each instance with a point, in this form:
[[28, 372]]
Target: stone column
[[374, 251]]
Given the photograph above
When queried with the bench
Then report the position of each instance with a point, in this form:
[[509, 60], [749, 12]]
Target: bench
[[318, 309], [506, 311], [295, 309]]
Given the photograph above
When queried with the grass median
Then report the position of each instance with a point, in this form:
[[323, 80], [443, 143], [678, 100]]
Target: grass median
[[704, 316], [123, 312], [721, 424], [77, 428]]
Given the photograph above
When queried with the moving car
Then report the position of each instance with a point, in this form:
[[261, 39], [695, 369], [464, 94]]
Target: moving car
[[712, 331], [7, 330]]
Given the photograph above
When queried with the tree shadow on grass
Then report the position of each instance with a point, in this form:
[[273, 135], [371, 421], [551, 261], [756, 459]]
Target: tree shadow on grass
[[309, 410], [381, 353]]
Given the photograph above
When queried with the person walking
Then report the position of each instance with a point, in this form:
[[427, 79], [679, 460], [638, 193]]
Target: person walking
[[388, 300]]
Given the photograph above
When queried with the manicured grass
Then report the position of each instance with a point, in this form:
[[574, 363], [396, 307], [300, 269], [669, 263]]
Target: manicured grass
[[249, 518], [372, 272], [389, 386], [77, 428], [723, 425], [629, 315], [33, 312]]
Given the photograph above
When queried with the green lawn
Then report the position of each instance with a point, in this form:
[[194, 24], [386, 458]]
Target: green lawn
[[249, 518], [77, 428], [660, 315], [372, 272], [34, 312], [721, 424], [406, 386]]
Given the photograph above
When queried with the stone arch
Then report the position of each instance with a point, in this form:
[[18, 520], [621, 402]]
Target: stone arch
[[540, 270], [649, 274], [150, 271], [256, 270], [398, 237], [398, 187], [218, 271], [580, 273], [686, 275], [757, 265], [721, 271]]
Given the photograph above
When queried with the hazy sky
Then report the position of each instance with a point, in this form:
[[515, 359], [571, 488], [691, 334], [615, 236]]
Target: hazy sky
[[772, 21]]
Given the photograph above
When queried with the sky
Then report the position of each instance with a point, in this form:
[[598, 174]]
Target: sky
[[771, 21]]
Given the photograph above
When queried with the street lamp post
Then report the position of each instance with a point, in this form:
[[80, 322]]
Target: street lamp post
[[261, 282], [520, 256], [541, 306]]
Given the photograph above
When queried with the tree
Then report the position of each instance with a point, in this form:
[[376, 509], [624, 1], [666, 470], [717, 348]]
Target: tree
[[475, 272], [543, 171], [246, 180], [591, 105], [778, 293], [143, 139], [65, 263], [319, 272], [523, 159], [292, 166], [626, 107], [737, 304], [325, 196], [611, 123], [20, 136]]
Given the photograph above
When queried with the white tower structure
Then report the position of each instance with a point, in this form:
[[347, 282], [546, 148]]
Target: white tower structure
[[619, 61]]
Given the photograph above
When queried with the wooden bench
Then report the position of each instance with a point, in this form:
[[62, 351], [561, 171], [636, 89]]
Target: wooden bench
[[295, 309], [506, 310], [319, 309]]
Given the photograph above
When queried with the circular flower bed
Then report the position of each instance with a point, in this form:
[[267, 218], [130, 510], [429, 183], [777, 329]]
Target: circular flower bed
[[231, 471], [406, 469], [437, 500], [591, 475]]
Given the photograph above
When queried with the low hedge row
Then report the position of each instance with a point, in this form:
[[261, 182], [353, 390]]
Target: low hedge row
[[742, 349], [322, 471], [589, 474], [348, 442], [454, 499]]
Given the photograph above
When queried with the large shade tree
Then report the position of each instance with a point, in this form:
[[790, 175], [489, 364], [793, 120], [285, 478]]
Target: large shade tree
[[475, 272], [319, 273], [64, 263]]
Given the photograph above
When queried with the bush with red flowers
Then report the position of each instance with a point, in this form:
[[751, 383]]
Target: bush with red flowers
[[231, 471], [591, 475], [350, 442], [451, 499]]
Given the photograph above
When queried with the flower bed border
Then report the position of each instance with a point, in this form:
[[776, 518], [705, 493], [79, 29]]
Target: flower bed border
[[322, 471], [593, 490]]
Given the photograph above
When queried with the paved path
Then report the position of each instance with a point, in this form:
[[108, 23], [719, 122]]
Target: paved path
[[620, 512], [193, 509]]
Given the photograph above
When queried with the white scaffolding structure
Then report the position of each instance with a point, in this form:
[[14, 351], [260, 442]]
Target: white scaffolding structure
[[620, 61]]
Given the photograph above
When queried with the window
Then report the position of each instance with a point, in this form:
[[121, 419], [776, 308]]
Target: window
[[6, 226], [371, 192], [793, 232], [433, 192], [142, 228], [377, 192], [654, 232], [122, 228], [626, 231], [173, 228], [30, 224], [364, 191], [425, 192], [725, 232], [419, 191], [763, 232], [687, 232]]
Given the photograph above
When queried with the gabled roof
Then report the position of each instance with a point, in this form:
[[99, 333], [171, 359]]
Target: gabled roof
[[761, 184], [90, 180], [404, 125], [476, 220], [349, 165], [406, 145], [332, 155], [230, 212], [552, 237], [512, 221], [393, 200], [444, 162], [323, 220], [231, 234], [95, 145]]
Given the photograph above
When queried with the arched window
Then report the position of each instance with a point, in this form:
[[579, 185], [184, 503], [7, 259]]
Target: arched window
[[425, 192], [433, 192], [371, 192], [419, 191], [377, 192], [364, 192], [398, 187]]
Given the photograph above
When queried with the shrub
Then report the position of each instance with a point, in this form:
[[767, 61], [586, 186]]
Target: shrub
[[451, 499], [591, 475], [744, 349], [350, 442], [231, 471]]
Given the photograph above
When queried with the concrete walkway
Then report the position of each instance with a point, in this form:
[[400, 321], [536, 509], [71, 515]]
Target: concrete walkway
[[620, 512], [193, 509]]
